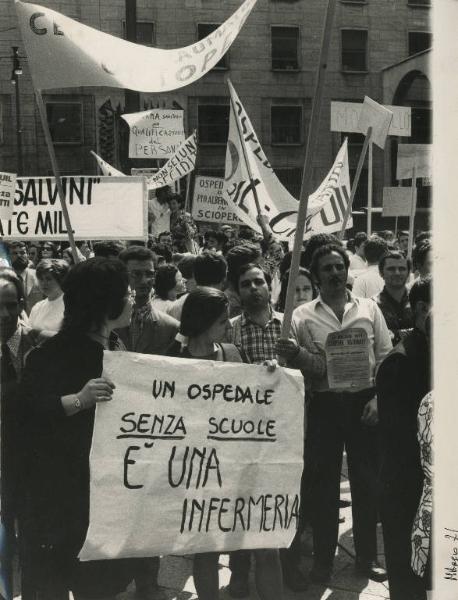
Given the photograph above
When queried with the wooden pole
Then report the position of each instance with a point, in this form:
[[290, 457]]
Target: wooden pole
[[369, 190], [242, 143], [188, 193], [413, 208], [306, 185], [354, 187], [55, 168]]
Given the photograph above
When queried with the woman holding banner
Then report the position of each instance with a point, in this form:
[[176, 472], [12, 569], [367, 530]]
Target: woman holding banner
[[62, 383], [203, 329]]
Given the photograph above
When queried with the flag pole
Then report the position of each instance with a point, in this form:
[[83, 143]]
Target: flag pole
[[242, 143], [306, 185], [354, 187], [55, 168], [369, 189], [413, 208]]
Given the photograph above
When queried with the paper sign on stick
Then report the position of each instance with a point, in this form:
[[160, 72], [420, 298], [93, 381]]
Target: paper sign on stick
[[397, 201], [192, 460], [376, 116], [7, 189], [99, 207], [62, 52], [106, 168], [345, 117], [409, 155], [209, 204], [347, 359], [181, 163], [155, 133]]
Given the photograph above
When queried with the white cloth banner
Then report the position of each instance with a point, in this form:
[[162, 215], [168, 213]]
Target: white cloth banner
[[62, 52], [326, 208], [185, 460], [181, 163], [106, 168], [155, 133], [99, 208], [7, 189]]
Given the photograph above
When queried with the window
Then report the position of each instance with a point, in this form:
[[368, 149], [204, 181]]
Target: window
[[286, 124], [204, 29], [146, 33], [354, 50], [213, 122], [65, 121], [285, 47], [419, 41]]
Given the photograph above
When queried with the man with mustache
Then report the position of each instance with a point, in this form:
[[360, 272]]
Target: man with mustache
[[343, 411], [20, 263]]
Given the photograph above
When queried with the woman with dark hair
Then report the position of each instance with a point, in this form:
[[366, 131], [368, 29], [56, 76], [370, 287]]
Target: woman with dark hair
[[48, 314], [168, 285], [203, 328], [34, 254], [182, 226], [49, 250], [62, 383], [305, 289]]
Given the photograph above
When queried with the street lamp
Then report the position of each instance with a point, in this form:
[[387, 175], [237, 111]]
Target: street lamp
[[15, 73]]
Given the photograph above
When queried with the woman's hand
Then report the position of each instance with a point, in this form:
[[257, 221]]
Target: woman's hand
[[95, 390]]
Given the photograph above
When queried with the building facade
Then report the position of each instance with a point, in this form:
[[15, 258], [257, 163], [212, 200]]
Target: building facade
[[378, 48]]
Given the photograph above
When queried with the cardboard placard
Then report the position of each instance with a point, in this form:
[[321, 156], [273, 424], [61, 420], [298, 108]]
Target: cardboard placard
[[397, 201]]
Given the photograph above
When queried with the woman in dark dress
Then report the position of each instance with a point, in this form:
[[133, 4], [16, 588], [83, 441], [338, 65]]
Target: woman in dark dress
[[62, 383]]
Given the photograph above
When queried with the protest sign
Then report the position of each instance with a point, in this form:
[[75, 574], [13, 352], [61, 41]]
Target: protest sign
[[208, 202], [410, 155], [347, 359], [181, 163], [100, 208], [376, 116], [106, 168], [7, 189], [397, 201], [208, 464], [155, 133], [326, 206], [345, 117], [62, 52]]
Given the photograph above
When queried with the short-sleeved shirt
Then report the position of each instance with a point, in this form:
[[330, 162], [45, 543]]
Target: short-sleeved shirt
[[359, 313]]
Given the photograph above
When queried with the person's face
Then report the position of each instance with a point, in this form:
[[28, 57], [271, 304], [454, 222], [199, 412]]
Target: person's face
[[47, 251], [190, 284], [33, 254], [141, 278], [49, 286], [304, 290], [218, 330], [253, 290], [332, 274], [395, 272], [166, 239], [67, 256], [85, 249], [404, 243], [19, 258], [174, 205], [180, 286], [10, 309], [212, 244], [427, 266], [124, 318]]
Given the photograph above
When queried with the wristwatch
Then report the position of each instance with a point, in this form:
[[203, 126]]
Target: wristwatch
[[78, 404]]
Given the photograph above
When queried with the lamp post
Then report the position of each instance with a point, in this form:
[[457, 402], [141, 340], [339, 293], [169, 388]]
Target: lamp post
[[17, 70]]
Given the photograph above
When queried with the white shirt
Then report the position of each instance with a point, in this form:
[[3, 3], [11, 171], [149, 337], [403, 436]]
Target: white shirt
[[359, 312], [48, 314], [160, 216], [357, 263], [369, 283]]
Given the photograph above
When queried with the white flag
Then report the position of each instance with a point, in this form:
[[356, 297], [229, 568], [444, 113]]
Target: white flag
[[326, 207], [62, 52], [106, 168], [181, 163], [378, 117]]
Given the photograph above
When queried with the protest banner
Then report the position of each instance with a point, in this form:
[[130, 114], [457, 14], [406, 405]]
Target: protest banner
[[155, 133], [209, 204], [208, 464], [409, 155], [345, 118], [7, 189], [106, 168], [62, 53], [181, 163], [100, 208], [397, 201], [326, 206]]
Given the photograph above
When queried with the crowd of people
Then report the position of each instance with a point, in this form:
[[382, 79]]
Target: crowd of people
[[219, 296]]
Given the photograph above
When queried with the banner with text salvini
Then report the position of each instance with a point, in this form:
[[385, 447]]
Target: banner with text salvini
[[62, 52], [155, 133], [99, 207], [185, 460], [209, 204]]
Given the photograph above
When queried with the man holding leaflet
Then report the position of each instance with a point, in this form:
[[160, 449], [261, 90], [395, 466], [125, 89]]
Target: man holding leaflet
[[343, 411]]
